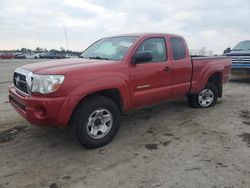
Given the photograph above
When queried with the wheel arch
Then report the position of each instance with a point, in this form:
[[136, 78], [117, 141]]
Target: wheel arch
[[112, 93], [115, 88], [216, 79]]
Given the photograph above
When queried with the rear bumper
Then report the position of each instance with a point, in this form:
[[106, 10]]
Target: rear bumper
[[42, 111]]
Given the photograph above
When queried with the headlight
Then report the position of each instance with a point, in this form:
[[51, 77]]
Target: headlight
[[46, 83]]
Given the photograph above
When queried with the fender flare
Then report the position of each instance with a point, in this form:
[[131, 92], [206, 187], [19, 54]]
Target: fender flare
[[204, 76], [89, 88]]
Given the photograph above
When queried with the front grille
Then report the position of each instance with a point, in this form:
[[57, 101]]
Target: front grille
[[240, 59], [20, 83]]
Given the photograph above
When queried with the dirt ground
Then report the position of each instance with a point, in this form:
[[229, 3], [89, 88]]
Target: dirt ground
[[168, 145]]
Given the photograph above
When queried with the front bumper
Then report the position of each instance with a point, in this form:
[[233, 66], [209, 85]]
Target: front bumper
[[241, 68], [42, 111]]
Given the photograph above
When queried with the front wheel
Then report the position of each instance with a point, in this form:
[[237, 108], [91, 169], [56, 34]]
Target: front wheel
[[206, 98], [96, 121]]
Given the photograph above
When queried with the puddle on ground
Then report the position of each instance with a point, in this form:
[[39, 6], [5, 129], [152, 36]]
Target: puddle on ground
[[166, 143], [246, 138], [245, 114], [246, 122], [151, 146], [9, 135]]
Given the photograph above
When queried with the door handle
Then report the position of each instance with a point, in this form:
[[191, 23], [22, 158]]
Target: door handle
[[167, 69]]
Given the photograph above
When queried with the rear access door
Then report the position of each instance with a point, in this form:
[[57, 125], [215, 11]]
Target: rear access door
[[182, 66]]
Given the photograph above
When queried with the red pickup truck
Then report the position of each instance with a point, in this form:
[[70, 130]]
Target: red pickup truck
[[115, 75]]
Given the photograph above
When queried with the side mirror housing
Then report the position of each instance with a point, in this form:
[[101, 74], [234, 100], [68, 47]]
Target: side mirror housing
[[227, 50], [143, 56]]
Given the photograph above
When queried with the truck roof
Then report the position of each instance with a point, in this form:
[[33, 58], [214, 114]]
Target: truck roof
[[146, 34]]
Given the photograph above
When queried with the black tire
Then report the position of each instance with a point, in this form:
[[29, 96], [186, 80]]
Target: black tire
[[193, 99], [82, 115], [190, 100]]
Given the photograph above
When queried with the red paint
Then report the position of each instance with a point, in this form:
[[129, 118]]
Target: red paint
[[84, 77]]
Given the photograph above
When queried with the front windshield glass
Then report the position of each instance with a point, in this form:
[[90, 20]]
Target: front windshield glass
[[113, 48], [245, 45]]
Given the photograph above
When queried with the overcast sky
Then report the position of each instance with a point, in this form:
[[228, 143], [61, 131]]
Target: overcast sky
[[215, 24]]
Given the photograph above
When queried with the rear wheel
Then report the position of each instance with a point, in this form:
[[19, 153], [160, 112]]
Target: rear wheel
[[96, 121], [206, 98]]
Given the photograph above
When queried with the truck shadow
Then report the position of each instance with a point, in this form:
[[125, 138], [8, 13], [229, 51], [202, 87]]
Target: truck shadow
[[155, 110]]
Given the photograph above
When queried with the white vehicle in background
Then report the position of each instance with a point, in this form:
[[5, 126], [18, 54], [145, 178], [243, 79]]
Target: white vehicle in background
[[71, 56], [42, 54], [29, 56]]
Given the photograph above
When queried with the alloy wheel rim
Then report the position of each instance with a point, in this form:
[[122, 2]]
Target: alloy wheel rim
[[99, 123], [206, 98]]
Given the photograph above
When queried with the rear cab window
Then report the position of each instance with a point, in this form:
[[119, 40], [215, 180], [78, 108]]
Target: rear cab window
[[178, 48]]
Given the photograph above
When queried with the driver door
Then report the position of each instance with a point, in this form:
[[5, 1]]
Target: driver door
[[151, 81]]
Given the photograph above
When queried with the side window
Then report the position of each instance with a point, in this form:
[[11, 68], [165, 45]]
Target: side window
[[178, 48], [156, 46]]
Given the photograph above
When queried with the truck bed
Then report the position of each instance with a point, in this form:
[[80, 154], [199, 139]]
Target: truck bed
[[203, 64]]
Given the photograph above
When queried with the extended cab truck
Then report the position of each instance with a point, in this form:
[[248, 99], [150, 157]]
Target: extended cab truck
[[115, 75]]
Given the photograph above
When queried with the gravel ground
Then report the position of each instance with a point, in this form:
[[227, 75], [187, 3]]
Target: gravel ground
[[168, 145]]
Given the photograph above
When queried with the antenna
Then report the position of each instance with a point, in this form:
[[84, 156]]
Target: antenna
[[65, 34]]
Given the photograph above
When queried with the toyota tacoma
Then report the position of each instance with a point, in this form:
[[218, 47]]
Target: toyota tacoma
[[115, 75]]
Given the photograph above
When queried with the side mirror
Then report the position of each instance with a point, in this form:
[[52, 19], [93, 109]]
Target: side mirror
[[143, 56], [227, 50]]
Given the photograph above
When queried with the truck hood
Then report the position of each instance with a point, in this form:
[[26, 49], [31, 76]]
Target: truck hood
[[239, 53], [65, 66]]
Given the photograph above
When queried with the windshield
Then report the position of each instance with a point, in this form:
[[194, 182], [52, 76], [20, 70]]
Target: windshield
[[113, 48], [244, 45]]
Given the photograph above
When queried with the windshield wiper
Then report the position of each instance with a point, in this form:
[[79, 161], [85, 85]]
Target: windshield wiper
[[98, 57]]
